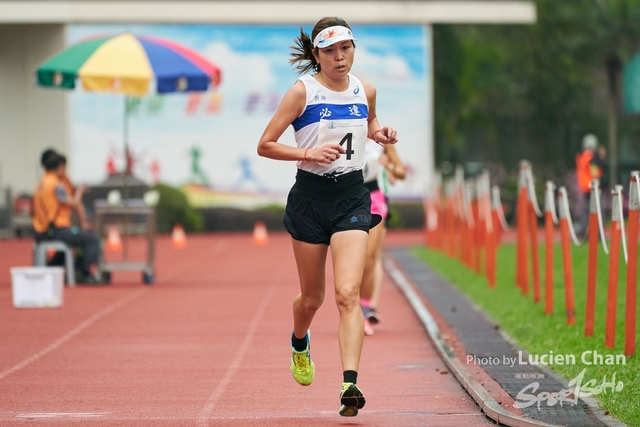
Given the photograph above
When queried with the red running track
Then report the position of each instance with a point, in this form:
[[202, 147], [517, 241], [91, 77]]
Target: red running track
[[208, 344]]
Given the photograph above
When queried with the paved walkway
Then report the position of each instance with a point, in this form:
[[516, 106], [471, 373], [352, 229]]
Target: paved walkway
[[207, 344]]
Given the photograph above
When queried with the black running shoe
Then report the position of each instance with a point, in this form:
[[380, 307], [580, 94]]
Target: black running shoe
[[351, 399]]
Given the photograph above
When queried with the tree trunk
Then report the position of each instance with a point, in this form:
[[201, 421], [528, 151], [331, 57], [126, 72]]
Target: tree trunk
[[613, 142], [614, 68]]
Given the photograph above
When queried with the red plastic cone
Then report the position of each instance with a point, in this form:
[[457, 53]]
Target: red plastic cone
[[114, 243], [178, 237], [260, 234]]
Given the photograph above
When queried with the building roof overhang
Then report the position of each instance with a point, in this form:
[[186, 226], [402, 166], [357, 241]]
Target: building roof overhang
[[268, 11]]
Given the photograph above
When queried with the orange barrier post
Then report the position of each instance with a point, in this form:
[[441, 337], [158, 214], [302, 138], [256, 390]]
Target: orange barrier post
[[440, 212], [435, 223], [593, 259], [549, 221], [444, 209], [632, 264], [441, 209], [472, 221], [456, 224], [486, 200], [426, 209], [491, 235], [449, 226], [614, 261], [461, 230], [565, 217], [466, 228], [483, 211], [450, 220], [499, 220], [532, 206], [465, 247], [535, 253], [475, 231], [499, 228], [522, 274], [461, 200], [490, 256], [459, 210]]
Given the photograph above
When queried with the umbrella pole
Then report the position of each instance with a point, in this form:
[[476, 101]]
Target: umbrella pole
[[125, 178], [125, 137]]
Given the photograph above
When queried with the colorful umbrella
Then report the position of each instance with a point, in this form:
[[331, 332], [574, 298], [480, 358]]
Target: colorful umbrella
[[126, 64]]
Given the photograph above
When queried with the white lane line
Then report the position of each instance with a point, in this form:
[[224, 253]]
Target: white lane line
[[129, 417], [207, 410], [114, 417], [61, 414], [75, 331]]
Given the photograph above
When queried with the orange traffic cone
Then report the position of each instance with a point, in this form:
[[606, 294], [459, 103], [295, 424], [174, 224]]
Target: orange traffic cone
[[260, 235], [178, 238], [114, 243]]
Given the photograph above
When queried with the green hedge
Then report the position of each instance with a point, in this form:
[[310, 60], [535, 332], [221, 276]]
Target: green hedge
[[173, 208]]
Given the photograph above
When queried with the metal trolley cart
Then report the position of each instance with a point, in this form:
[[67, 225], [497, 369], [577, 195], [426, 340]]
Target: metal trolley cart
[[134, 217]]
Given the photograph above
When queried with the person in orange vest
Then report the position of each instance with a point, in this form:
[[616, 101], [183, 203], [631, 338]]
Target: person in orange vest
[[585, 174], [51, 220]]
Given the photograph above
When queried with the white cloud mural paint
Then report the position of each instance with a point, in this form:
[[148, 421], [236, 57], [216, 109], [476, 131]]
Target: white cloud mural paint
[[225, 124]]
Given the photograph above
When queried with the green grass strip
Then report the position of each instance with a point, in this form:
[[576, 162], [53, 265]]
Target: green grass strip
[[540, 334]]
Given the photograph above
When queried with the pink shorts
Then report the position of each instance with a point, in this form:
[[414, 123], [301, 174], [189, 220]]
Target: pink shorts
[[379, 204]]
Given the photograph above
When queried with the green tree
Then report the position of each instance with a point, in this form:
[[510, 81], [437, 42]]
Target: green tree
[[504, 93], [173, 208], [617, 39]]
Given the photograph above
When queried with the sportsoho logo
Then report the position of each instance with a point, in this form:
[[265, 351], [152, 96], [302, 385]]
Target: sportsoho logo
[[577, 389]]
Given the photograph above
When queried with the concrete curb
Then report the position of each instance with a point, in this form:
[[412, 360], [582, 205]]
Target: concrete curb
[[482, 397]]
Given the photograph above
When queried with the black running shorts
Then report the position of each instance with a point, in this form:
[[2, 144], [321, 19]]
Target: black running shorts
[[318, 206]]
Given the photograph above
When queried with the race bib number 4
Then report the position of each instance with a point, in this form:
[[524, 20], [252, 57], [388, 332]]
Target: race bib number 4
[[350, 134]]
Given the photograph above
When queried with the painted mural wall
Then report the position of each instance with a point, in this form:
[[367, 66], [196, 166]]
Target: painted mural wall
[[209, 139]]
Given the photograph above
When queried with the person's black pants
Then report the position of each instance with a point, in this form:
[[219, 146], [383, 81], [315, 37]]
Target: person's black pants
[[584, 217], [86, 240]]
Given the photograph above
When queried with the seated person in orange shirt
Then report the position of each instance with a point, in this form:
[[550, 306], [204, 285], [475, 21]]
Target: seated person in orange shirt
[[52, 207]]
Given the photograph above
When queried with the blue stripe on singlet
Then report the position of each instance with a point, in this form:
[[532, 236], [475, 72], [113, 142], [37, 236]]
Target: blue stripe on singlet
[[312, 114]]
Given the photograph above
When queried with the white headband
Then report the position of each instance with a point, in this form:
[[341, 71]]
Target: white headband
[[332, 35]]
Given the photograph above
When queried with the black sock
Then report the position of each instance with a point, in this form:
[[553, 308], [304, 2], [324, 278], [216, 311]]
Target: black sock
[[350, 376], [298, 344]]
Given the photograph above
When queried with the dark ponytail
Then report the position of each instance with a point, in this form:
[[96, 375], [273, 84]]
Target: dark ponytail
[[302, 54]]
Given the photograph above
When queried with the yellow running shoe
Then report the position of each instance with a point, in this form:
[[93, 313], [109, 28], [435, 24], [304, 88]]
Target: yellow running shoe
[[302, 367], [351, 399]]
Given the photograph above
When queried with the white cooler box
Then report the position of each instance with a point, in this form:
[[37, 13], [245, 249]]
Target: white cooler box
[[37, 286]]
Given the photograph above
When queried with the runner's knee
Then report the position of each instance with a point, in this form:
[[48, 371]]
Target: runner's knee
[[311, 304], [348, 297]]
